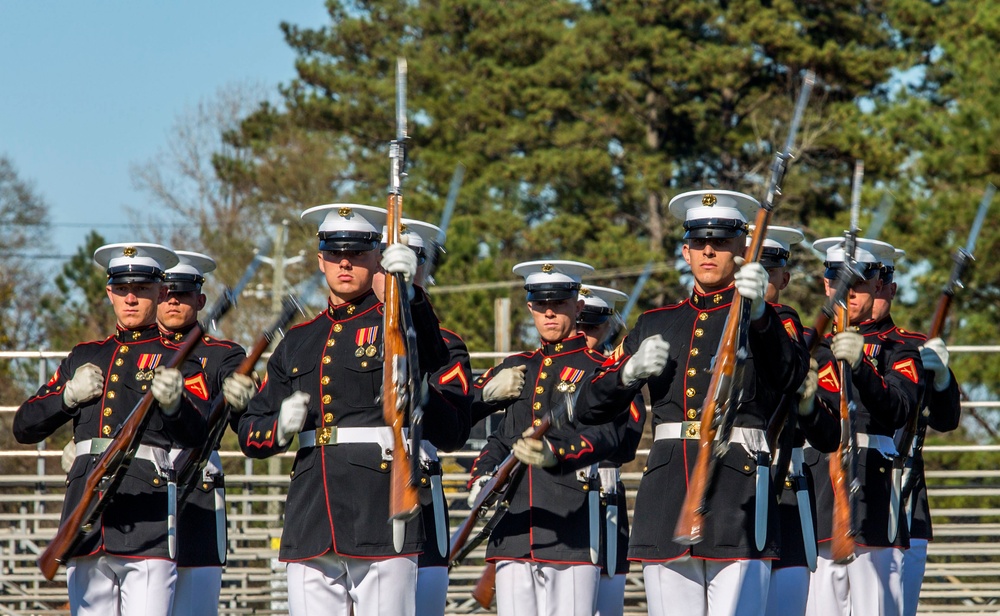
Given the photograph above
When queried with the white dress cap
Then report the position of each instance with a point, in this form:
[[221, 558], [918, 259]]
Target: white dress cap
[[552, 280], [347, 226], [867, 253], [419, 234], [135, 262], [713, 213], [600, 298], [189, 274]]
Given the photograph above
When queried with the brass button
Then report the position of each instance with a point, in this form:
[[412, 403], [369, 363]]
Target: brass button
[[537, 406], [144, 387], [107, 412], [325, 380], [114, 378], [694, 352], [547, 361], [746, 467], [691, 414], [106, 430], [364, 364], [327, 399], [330, 342], [423, 481], [703, 316], [788, 484], [698, 333], [384, 465], [156, 481], [539, 389], [338, 328], [328, 418], [881, 469], [585, 487], [111, 395], [123, 349], [543, 375], [119, 361], [327, 359], [204, 486], [537, 423], [690, 392], [692, 372], [295, 370], [562, 451]]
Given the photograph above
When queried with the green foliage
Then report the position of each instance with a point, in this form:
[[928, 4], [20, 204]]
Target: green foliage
[[79, 309]]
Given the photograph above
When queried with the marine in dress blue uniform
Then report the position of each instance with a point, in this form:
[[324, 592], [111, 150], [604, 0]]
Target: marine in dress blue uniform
[[545, 547], [596, 322], [940, 410], [446, 428], [796, 494], [671, 350], [323, 383], [123, 566], [886, 373], [201, 517]]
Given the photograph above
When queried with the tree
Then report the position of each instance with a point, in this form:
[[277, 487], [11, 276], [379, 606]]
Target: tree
[[79, 309]]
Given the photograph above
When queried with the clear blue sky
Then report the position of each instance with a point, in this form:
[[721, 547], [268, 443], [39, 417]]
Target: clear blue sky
[[88, 88]]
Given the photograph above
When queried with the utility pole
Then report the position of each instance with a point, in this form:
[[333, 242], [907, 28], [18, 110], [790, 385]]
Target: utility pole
[[278, 263]]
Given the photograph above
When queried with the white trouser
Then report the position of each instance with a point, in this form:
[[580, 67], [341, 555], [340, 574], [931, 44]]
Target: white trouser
[[525, 588], [868, 586], [331, 584], [611, 596], [109, 585], [788, 591], [197, 591], [432, 589], [693, 586], [911, 569]]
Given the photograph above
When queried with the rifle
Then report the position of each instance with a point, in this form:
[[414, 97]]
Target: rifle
[[191, 462], [844, 461], [962, 259], [111, 466], [719, 407], [494, 493], [434, 252], [622, 318], [399, 337]]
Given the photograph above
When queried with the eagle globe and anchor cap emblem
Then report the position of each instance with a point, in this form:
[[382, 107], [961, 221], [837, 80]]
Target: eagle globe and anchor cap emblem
[[130, 251]]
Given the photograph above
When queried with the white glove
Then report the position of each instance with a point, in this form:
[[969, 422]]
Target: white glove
[[400, 259], [87, 383], [807, 390], [168, 383], [477, 487], [535, 452], [751, 283], [849, 347], [505, 385], [292, 416], [934, 355], [68, 456], [648, 360], [238, 389]]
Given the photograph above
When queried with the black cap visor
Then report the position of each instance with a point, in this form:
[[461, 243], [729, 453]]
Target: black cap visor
[[867, 270], [341, 241], [552, 291], [592, 316], [709, 228], [126, 274]]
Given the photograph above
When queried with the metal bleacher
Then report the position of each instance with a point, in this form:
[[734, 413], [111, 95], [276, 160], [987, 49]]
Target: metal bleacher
[[962, 576]]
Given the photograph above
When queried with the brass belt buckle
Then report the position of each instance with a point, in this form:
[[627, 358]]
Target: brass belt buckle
[[326, 434], [691, 429]]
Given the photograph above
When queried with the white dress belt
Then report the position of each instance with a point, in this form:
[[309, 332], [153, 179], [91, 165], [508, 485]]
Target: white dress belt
[[157, 455], [752, 439], [335, 435]]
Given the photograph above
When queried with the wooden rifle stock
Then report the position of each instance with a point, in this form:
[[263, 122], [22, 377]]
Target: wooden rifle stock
[[111, 466], [842, 540], [486, 587]]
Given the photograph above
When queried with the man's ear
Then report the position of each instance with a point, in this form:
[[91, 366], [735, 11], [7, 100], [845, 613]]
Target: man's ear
[[201, 301]]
